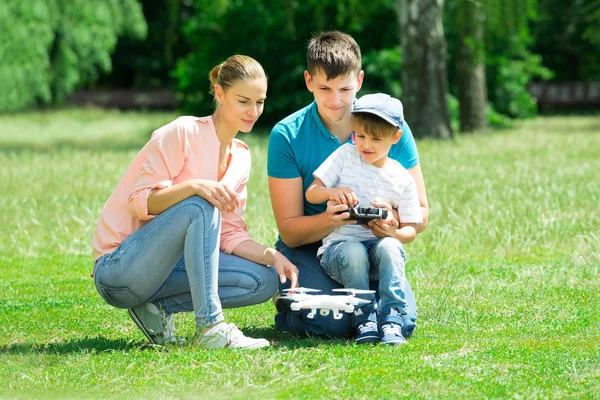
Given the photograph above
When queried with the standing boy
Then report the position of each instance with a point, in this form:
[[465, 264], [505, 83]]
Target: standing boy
[[351, 254]]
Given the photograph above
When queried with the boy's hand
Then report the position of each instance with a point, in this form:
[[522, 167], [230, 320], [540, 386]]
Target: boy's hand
[[343, 195], [383, 227]]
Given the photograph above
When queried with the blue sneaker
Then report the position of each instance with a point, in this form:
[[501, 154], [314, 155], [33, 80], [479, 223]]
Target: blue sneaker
[[391, 334], [367, 332]]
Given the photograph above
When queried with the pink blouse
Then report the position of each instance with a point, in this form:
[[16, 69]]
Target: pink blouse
[[187, 148]]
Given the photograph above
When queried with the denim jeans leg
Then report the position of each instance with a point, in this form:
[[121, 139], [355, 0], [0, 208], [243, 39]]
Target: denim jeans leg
[[145, 260], [241, 283], [348, 263], [311, 275], [388, 254]]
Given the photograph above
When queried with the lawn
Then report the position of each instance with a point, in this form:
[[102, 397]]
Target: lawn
[[506, 275]]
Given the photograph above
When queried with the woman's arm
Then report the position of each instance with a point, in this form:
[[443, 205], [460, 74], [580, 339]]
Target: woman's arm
[[218, 194], [258, 253]]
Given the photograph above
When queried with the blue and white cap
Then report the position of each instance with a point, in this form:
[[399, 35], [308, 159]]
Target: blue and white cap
[[384, 106]]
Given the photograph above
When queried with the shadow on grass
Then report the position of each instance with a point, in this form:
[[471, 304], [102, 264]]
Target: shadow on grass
[[85, 345], [284, 340]]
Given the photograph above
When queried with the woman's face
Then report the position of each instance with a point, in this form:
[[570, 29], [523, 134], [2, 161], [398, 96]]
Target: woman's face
[[242, 103]]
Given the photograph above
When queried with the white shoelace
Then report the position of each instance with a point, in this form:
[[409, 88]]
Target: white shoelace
[[367, 326], [392, 329]]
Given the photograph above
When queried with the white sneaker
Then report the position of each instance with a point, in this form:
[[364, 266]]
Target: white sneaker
[[158, 327], [224, 335]]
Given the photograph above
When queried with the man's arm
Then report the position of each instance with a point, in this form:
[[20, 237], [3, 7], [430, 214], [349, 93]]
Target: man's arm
[[417, 174], [296, 229]]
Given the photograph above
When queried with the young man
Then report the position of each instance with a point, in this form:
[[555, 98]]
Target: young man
[[362, 175], [297, 146]]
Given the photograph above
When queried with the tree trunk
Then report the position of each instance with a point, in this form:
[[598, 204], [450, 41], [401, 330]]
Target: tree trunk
[[470, 66], [423, 76]]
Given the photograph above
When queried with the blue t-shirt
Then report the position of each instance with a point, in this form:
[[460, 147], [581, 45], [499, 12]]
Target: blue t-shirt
[[300, 143]]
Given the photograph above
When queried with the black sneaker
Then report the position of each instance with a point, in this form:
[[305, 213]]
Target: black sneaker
[[367, 332], [391, 334]]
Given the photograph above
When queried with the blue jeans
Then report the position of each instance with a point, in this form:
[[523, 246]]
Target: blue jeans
[[312, 275], [175, 260], [354, 264]]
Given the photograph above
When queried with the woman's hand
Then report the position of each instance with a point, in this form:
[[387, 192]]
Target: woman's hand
[[218, 194], [285, 269]]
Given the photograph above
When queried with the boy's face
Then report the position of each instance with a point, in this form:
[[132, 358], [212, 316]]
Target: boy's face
[[373, 150], [334, 97]]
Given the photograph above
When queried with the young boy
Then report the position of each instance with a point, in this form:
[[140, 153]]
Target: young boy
[[352, 255]]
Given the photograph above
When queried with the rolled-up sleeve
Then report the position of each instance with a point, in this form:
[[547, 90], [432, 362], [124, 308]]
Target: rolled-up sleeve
[[165, 156]]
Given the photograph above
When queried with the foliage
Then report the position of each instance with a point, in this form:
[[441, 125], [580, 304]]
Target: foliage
[[568, 38], [505, 276], [510, 62], [276, 37], [149, 63], [382, 71], [51, 47]]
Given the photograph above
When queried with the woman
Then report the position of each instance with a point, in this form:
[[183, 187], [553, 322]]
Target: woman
[[181, 200]]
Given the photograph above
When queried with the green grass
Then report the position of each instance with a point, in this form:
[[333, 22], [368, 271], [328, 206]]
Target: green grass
[[506, 275]]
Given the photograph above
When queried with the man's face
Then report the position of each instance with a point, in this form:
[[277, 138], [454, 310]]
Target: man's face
[[334, 97]]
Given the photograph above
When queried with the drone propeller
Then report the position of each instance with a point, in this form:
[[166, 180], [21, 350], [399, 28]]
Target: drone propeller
[[353, 291], [360, 302], [300, 290]]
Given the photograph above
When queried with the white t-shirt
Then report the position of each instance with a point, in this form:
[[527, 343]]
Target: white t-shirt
[[392, 184]]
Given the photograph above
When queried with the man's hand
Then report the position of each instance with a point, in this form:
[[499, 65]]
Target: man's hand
[[343, 195], [336, 219], [285, 269]]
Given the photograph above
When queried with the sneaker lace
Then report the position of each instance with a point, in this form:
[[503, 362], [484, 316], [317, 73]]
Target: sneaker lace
[[234, 335], [367, 326], [391, 329]]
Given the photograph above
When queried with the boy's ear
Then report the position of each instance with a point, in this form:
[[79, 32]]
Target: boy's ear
[[397, 136]]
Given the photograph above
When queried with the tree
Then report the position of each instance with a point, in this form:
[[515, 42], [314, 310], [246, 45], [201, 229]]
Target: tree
[[423, 75], [470, 66], [49, 48]]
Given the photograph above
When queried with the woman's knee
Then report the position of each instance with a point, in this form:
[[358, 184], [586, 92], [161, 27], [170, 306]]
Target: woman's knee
[[199, 208], [269, 284]]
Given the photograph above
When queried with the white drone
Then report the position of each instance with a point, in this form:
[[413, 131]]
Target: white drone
[[302, 300]]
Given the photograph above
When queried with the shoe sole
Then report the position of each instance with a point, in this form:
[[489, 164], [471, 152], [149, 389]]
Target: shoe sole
[[395, 343], [258, 345], [368, 340], [137, 321]]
